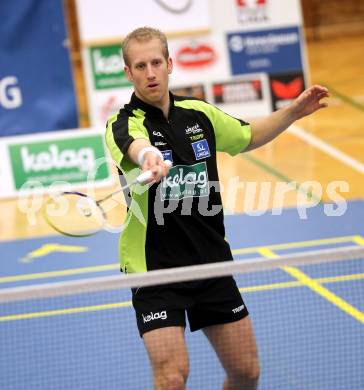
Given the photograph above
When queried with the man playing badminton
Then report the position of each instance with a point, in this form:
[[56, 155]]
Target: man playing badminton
[[156, 126]]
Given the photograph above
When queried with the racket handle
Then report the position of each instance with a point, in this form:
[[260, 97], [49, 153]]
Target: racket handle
[[143, 177]]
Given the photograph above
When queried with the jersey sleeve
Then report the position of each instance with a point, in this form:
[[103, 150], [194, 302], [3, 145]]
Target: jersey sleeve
[[232, 135], [121, 131]]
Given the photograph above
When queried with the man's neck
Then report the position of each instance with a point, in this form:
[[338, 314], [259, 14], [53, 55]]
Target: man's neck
[[163, 105]]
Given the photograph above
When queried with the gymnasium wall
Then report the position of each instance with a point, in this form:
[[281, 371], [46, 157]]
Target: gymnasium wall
[[332, 18], [49, 79], [245, 56]]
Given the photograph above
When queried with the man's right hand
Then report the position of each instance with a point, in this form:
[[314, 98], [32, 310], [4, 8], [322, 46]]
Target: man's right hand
[[156, 165], [152, 160]]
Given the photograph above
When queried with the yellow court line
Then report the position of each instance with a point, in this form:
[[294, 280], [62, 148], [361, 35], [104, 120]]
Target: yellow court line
[[296, 283], [359, 240], [315, 286], [341, 278], [266, 287], [100, 268], [301, 244], [59, 312], [53, 274], [325, 293], [248, 289]]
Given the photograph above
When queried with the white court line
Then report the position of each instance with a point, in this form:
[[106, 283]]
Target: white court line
[[338, 102], [325, 147]]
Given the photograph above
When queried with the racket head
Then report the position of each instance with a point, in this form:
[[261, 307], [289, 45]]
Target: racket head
[[74, 214]]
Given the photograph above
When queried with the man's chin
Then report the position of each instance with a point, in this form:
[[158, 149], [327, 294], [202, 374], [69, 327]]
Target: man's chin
[[154, 96]]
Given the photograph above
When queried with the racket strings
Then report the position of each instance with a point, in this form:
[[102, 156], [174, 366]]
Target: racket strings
[[74, 214], [78, 215]]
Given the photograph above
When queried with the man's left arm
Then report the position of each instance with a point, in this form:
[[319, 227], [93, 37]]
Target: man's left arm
[[266, 129]]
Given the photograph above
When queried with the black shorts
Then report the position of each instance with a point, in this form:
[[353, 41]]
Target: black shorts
[[207, 302]]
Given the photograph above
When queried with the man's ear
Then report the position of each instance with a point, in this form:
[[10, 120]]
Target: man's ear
[[170, 65], [128, 73]]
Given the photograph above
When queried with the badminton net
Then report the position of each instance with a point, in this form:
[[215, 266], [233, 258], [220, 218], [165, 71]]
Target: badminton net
[[307, 311]]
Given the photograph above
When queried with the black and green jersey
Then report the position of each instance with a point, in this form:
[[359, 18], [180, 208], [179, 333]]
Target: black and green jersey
[[179, 221]]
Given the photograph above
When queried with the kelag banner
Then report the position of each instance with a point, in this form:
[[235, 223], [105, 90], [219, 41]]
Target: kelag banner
[[35, 164], [36, 86]]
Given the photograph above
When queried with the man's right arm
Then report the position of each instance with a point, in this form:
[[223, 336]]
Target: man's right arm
[[148, 157]]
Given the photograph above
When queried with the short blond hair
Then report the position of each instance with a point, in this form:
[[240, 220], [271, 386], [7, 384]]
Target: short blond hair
[[144, 34]]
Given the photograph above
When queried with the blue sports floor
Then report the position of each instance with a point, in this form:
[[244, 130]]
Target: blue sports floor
[[309, 321]]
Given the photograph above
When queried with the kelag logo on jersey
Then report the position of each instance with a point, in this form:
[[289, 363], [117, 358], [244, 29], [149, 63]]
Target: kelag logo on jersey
[[201, 149], [185, 181]]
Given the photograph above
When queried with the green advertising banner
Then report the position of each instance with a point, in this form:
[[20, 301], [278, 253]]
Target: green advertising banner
[[69, 160], [108, 67]]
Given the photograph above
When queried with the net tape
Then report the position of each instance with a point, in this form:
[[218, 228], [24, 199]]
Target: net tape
[[179, 274]]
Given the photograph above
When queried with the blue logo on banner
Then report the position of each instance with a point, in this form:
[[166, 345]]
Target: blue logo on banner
[[269, 51], [201, 149], [167, 155]]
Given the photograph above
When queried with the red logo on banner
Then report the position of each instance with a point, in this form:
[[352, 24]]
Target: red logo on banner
[[195, 56], [287, 90], [243, 3], [285, 87], [108, 108], [217, 89], [252, 10], [257, 85], [237, 91]]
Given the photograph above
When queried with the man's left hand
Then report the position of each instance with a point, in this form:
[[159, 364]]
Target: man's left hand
[[309, 101]]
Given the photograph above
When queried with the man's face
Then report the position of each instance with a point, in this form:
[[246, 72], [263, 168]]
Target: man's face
[[149, 71]]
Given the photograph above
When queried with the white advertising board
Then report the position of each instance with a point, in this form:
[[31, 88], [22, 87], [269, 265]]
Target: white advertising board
[[113, 19], [247, 15]]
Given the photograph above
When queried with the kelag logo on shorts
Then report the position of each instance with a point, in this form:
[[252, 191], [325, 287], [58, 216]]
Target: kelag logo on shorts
[[67, 160], [185, 181]]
